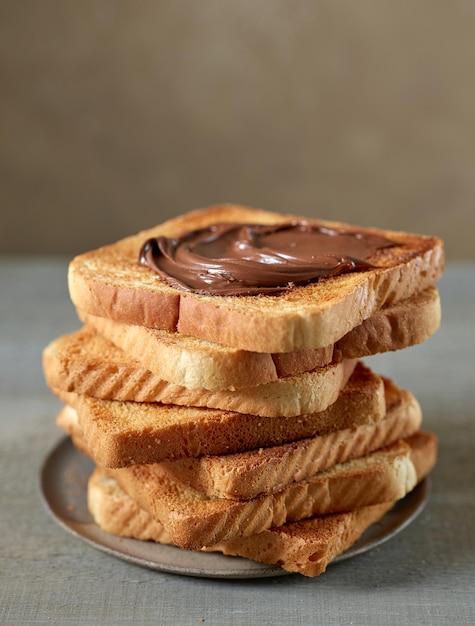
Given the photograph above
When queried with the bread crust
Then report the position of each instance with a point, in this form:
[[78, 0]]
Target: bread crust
[[195, 520], [269, 469], [198, 364], [240, 476], [121, 434], [136, 369], [305, 547], [109, 282]]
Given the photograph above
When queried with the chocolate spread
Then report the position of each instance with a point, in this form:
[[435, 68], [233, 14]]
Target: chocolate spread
[[249, 259]]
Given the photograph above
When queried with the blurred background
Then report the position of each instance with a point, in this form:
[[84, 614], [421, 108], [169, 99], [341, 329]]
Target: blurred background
[[117, 115]]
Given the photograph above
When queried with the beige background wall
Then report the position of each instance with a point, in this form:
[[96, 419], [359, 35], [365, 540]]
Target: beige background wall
[[116, 115]]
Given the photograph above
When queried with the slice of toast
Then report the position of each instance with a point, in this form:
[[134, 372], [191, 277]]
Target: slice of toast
[[195, 520], [110, 282], [124, 433], [248, 474], [266, 470], [289, 396], [305, 547], [194, 363]]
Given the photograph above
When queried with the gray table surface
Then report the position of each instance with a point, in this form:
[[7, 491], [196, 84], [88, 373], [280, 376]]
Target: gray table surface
[[425, 575]]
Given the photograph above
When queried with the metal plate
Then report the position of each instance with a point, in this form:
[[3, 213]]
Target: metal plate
[[63, 485]]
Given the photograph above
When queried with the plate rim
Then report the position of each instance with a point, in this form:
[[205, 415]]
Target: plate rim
[[411, 506]]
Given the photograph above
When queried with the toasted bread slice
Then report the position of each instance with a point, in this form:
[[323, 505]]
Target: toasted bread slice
[[195, 520], [305, 547], [125, 433], [248, 474], [93, 367], [404, 324], [110, 282], [289, 396], [196, 363]]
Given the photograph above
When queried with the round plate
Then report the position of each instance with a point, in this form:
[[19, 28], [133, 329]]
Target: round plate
[[63, 485]]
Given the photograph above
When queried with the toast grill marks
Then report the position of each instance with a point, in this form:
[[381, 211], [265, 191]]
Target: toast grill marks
[[108, 282], [306, 547], [287, 397], [119, 434], [194, 520], [269, 469]]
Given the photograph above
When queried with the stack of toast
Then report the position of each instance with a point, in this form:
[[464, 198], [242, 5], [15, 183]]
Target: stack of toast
[[246, 424]]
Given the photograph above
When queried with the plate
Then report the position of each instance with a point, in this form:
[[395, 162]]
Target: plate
[[63, 486]]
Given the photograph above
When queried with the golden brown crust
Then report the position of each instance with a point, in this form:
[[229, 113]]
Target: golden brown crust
[[407, 323], [193, 363], [269, 469], [123, 433], [187, 361], [423, 452], [109, 282], [291, 396], [116, 513], [266, 470], [87, 363], [306, 547], [195, 520]]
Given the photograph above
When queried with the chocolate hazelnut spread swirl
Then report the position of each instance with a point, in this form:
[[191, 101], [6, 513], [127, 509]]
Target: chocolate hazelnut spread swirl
[[250, 259]]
